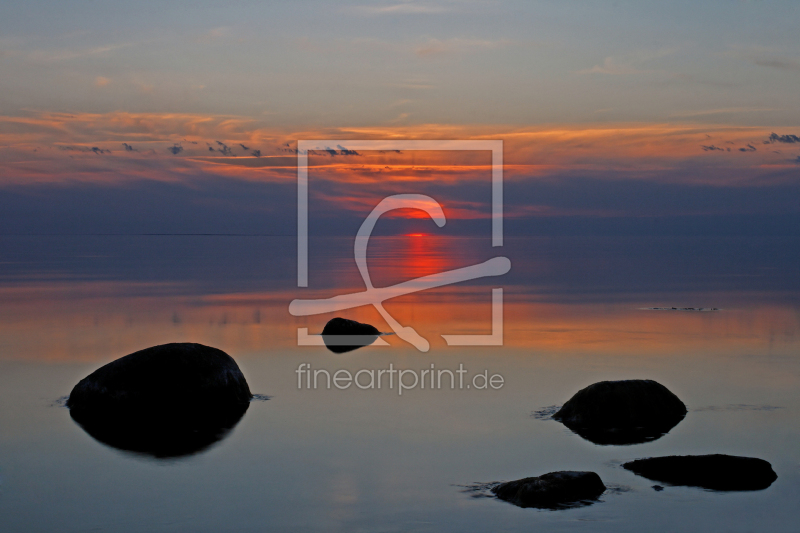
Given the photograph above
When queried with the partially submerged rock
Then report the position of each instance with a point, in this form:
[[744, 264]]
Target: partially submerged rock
[[342, 335], [166, 401], [714, 472], [552, 491], [622, 412]]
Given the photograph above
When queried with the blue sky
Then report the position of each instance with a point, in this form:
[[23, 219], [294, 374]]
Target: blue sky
[[333, 64]]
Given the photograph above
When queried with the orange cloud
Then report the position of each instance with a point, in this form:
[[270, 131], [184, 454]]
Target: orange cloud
[[47, 146]]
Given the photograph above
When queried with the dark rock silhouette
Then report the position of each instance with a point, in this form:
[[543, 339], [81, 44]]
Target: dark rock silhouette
[[165, 401], [555, 490], [714, 472], [342, 335], [622, 412]]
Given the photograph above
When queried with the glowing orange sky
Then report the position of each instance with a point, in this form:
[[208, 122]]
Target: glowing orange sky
[[53, 147]]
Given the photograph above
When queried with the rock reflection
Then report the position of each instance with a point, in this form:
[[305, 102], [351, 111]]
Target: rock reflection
[[623, 437], [163, 437]]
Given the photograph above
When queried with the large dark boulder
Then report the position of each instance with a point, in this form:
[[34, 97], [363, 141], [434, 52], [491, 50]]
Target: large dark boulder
[[552, 491], [342, 335], [714, 472], [622, 412], [164, 401]]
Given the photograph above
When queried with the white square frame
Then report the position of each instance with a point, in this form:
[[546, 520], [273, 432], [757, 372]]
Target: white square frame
[[494, 146]]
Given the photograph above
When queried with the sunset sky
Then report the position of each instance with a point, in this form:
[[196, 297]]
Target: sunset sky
[[617, 117]]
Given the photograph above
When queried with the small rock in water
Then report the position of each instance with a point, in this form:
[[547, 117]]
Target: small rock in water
[[342, 335], [552, 491], [658, 488], [165, 401], [714, 472], [622, 412]]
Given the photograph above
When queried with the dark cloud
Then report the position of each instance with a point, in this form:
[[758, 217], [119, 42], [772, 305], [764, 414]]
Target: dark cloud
[[94, 149], [786, 139], [129, 148], [231, 206], [256, 153], [287, 148], [345, 151], [711, 148], [575, 206], [175, 149], [245, 148], [225, 149], [749, 148], [210, 148], [332, 152]]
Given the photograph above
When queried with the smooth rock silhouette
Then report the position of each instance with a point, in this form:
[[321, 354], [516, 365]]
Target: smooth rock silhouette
[[342, 335], [622, 412], [555, 490], [714, 472], [165, 401]]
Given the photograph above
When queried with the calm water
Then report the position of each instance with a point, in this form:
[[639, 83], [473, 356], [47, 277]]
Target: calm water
[[372, 460]]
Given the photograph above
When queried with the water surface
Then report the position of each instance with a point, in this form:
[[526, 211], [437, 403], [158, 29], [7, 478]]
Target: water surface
[[373, 460]]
